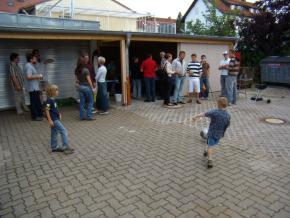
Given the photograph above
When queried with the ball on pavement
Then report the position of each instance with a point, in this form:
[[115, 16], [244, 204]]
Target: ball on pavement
[[203, 133]]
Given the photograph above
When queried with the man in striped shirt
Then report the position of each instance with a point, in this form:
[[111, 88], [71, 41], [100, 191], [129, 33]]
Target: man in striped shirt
[[17, 81], [194, 70]]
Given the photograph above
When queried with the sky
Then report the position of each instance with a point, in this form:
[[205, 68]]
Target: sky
[[160, 8]]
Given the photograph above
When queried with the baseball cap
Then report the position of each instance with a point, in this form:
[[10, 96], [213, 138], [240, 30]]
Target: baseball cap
[[225, 52]]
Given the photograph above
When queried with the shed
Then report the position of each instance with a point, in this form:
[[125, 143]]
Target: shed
[[276, 69]]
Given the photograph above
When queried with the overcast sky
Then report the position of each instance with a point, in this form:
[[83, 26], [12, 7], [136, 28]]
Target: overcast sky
[[161, 8]]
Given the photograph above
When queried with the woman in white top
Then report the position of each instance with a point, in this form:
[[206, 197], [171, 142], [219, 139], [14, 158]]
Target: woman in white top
[[167, 74], [102, 102]]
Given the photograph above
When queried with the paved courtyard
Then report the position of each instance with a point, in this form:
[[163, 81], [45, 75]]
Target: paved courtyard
[[146, 161]]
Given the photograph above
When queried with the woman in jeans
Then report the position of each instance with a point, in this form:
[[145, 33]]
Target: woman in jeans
[[102, 95], [86, 90]]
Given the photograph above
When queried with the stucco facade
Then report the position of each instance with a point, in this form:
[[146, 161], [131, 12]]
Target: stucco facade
[[111, 14]]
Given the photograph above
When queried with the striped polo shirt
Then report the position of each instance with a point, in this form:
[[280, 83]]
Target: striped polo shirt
[[195, 67]]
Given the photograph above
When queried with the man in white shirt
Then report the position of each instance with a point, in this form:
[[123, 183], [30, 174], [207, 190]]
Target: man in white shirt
[[33, 77], [179, 66], [224, 72], [41, 68]]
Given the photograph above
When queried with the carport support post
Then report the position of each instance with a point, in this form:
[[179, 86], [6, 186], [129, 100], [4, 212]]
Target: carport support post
[[123, 71]]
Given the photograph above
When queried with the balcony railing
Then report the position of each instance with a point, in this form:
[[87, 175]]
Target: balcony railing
[[31, 21]]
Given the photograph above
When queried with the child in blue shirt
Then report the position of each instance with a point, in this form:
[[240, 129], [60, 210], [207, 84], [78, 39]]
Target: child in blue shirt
[[220, 121], [54, 120]]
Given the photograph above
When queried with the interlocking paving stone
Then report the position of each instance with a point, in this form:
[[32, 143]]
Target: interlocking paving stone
[[146, 161]]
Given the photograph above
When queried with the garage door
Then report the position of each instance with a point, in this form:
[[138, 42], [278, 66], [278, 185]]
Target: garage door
[[214, 56], [61, 72]]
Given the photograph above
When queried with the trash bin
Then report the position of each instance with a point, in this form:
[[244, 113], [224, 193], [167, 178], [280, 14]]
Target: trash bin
[[275, 69], [118, 99]]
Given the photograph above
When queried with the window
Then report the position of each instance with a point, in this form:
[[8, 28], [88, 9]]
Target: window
[[10, 3]]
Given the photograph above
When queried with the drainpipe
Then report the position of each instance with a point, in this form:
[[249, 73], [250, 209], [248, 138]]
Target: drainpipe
[[72, 8]]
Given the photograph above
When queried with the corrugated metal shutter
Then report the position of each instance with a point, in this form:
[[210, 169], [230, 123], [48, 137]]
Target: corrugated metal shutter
[[61, 72]]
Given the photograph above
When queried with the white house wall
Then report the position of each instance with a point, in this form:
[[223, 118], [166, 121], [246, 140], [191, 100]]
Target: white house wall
[[214, 56], [197, 12]]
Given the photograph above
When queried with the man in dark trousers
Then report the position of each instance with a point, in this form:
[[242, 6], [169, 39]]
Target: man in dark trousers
[[149, 68], [33, 78]]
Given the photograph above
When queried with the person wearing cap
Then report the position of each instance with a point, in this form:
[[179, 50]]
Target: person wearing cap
[[224, 72]]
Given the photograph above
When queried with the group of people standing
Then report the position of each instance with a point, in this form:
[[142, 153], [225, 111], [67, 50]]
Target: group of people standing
[[34, 80], [89, 83], [171, 74], [230, 68], [90, 79]]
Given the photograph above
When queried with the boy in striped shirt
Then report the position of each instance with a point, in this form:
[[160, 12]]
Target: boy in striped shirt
[[194, 70]]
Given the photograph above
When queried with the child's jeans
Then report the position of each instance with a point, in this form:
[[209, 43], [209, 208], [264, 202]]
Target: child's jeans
[[58, 128]]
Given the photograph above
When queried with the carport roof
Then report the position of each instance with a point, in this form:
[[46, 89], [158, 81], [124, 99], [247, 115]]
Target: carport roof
[[40, 33]]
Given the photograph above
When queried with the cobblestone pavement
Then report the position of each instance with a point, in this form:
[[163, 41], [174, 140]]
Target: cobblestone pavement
[[146, 161], [247, 131]]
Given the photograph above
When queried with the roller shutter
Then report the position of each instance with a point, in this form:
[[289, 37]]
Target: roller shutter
[[61, 72]]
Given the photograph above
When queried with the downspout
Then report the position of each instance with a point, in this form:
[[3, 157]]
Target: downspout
[[72, 8]]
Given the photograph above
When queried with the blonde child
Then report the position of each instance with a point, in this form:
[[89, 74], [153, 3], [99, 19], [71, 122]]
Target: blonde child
[[220, 121], [54, 120]]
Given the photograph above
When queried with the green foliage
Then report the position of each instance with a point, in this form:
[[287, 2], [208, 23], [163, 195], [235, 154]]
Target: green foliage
[[266, 34], [215, 25]]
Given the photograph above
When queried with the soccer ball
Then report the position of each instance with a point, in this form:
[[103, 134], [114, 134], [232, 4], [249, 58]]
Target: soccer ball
[[203, 133]]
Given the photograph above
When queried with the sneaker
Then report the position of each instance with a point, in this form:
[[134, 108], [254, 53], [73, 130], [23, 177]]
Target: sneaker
[[68, 150], [175, 104], [94, 111], [181, 102], [209, 164], [205, 154], [104, 113], [57, 150], [168, 105], [198, 102]]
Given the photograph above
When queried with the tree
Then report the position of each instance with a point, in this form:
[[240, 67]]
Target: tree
[[215, 25], [267, 33], [179, 24]]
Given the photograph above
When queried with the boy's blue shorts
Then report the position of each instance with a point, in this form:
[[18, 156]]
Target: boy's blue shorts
[[212, 142]]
